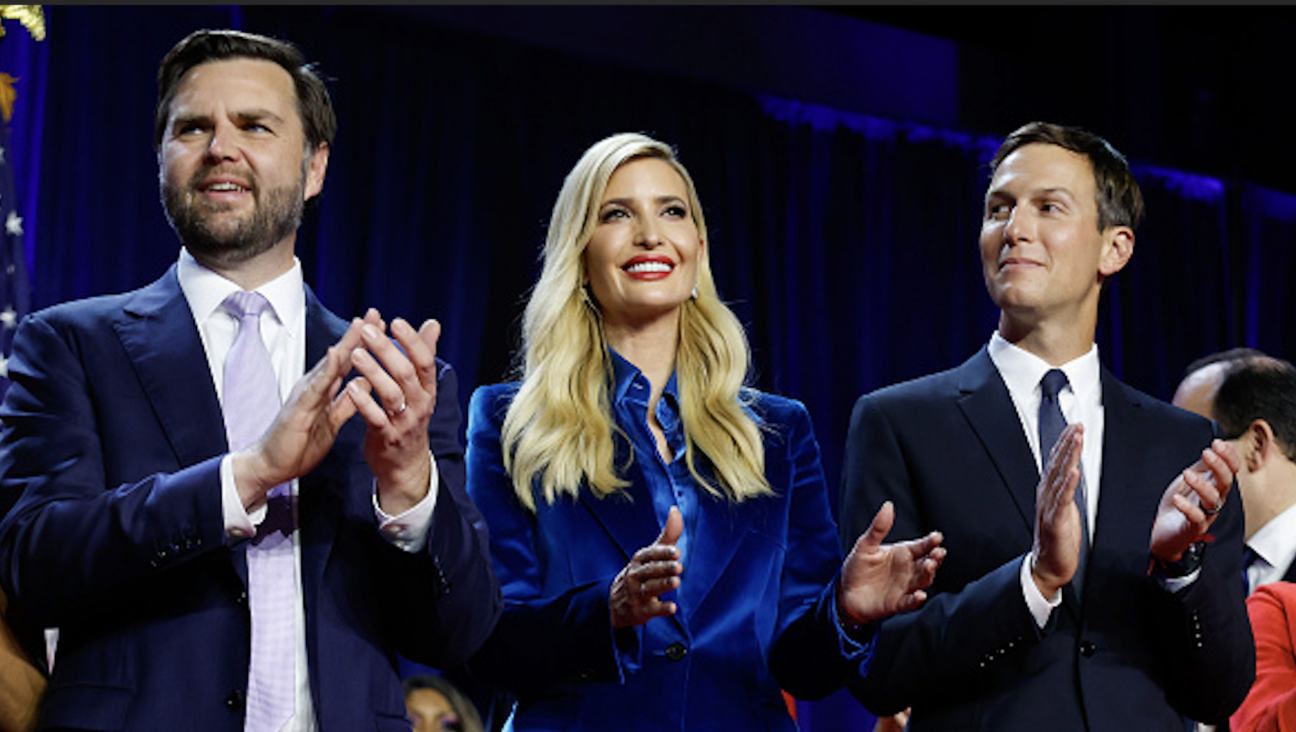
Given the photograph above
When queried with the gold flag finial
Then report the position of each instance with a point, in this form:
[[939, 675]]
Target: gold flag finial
[[31, 16]]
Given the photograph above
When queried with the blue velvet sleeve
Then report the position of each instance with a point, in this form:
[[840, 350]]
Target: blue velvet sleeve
[[546, 639]]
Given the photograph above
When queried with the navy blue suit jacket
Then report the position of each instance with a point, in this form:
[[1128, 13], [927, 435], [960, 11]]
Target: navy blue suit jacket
[[110, 448], [950, 451], [762, 612]]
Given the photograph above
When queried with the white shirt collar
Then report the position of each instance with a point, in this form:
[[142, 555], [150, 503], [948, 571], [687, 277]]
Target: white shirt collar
[[1273, 542], [205, 290], [1023, 370]]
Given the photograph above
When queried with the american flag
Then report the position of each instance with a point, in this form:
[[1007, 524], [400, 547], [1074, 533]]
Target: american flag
[[15, 297], [15, 293]]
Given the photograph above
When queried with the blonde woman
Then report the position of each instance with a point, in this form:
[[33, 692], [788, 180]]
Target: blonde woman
[[661, 533]]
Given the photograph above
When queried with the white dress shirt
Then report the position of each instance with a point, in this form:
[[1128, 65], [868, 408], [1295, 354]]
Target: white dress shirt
[[283, 328], [1080, 401], [1275, 547]]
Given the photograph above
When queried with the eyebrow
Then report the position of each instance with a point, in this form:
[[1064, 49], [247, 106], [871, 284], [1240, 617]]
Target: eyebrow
[[250, 115], [628, 201], [1033, 193], [253, 115]]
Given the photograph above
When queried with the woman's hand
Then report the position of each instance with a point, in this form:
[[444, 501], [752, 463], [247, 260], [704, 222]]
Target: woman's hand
[[635, 597], [881, 579]]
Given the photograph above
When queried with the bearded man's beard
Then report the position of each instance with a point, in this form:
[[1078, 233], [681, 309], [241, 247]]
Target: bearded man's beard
[[206, 236]]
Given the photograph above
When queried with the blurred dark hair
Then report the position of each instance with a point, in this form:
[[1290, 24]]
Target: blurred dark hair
[[1259, 388]]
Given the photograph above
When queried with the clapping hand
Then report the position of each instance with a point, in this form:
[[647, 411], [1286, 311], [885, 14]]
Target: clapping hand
[[1192, 501], [635, 597], [882, 579]]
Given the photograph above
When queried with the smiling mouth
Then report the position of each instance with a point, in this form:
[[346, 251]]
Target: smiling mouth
[[1014, 263], [225, 188], [649, 268]]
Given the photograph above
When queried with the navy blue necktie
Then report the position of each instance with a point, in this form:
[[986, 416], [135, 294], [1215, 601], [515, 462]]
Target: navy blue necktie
[[1248, 558], [1051, 424]]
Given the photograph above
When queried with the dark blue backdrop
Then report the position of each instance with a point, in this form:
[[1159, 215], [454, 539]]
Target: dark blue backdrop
[[845, 241]]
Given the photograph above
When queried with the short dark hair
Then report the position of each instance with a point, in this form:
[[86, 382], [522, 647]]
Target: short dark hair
[[1120, 202], [1232, 354], [314, 106], [1259, 388]]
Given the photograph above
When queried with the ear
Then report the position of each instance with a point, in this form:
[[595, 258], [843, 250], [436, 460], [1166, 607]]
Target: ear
[[315, 170], [1118, 247], [1256, 445]]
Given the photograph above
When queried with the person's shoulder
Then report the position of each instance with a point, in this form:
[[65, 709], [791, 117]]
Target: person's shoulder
[[920, 389], [1281, 589], [491, 393], [84, 313], [1158, 409], [491, 401], [771, 403], [1281, 594]]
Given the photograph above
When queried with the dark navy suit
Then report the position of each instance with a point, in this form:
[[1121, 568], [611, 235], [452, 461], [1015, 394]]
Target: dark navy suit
[[111, 443], [950, 451]]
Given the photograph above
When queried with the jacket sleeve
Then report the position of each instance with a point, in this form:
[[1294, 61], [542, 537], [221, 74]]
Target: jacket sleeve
[[1208, 648], [442, 622], [811, 655], [543, 639], [954, 634], [70, 539]]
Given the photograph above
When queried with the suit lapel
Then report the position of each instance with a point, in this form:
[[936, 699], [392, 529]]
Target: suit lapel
[[321, 505], [1122, 441], [989, 409], [717, 537], [631, 524], [158, 333], [1124, 526]]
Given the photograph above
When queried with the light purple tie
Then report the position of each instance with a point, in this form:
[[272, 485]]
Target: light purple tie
[[251, 402]]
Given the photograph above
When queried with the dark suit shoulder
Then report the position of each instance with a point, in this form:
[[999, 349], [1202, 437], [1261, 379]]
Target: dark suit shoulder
[[85, 312], [919, 400], [921, 388], [1166, 415]]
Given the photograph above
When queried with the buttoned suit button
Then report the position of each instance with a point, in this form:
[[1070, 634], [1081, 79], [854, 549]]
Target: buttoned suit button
[[1087, 649], [234, 700], [676, 651]]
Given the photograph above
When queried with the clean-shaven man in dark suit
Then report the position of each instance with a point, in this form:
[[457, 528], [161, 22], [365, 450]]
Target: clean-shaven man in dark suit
[[131, 516], [1119, 611]]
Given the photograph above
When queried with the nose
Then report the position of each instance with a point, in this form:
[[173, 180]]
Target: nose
[[649, 233], [222, 145], [1018, 226]]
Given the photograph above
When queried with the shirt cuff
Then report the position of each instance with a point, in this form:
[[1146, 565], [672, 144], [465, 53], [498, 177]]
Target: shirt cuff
[[1040, 607], [239, 524], [1174, 584], [847, 647], [409, 530]]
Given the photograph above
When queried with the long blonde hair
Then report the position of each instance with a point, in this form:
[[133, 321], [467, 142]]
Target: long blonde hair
[[559, 431]]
